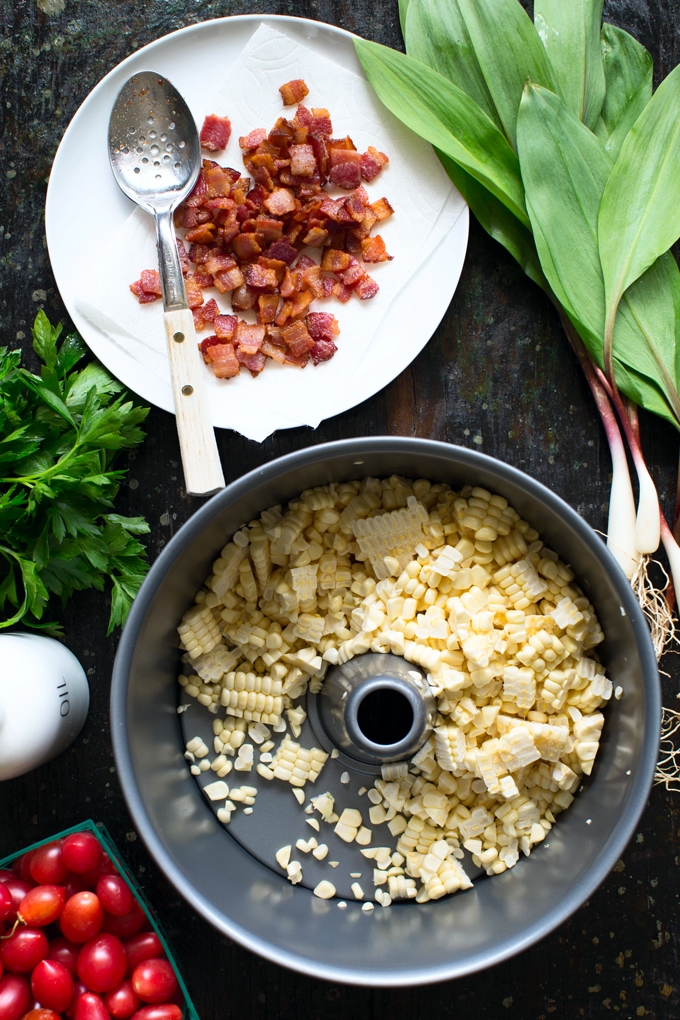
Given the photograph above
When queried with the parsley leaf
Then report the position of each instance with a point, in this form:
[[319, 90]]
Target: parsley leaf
[[60, 433]]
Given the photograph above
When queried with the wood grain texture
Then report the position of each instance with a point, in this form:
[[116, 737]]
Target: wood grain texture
[[201, 465], [498, 376]]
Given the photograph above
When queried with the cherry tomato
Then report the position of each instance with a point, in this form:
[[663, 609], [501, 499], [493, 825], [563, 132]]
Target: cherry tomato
[[22, 866], [15, 996], [90, 1007], [102, 963], [47, 865], [5, 874], [78, 990], [6, 902], [162, 1011], [64, 952], [17, 889], [23, 950], [82, 917], [52, 985], [81, 852], [145, 946], [41, 1014], [115, 895], [154, 981], [74, 884], [121, 1001], [125, 926], [42, 905]]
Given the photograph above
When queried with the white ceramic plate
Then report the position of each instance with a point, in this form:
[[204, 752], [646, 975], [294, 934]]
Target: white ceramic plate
[[82, 193]]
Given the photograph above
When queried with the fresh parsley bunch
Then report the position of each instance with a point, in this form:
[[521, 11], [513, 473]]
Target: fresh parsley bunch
[[60, 433]]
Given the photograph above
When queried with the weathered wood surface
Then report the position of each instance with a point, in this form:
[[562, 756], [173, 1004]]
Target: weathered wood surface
[[498, 375]]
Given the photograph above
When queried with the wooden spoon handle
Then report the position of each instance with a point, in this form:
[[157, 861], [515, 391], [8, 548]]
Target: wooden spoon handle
[[200, 458]]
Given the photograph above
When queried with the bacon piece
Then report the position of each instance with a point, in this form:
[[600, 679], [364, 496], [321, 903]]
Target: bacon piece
[[312, 280], [273, 351], [199, 322], [293, 92], [280, 202], [210, 310], [321, 122], [270, 228], [345, 175], [297, 338], [203, 234], [373, 250], [332, 207], [302, 161], [354, 272], [260, 277], [223, 360], [315, 238], [229, 279], [343, 293], [323, 350], [141, 294], [194, 292], [382, 208], [253, 362], [243, 298], [366, 288], [183, 256], [218, 262], [150, 282], [342, 143], [355, 207], [329, 286], [297, 362], [252, 140], [340, 155], [225, 326], [205, 345], [219, 182], [249, 337], [246, 246], [282, 250], [268, 305], [335, 261], [304, 262], [284, 313], [277, 265], [303, 117], [318, 144], [322, 326]]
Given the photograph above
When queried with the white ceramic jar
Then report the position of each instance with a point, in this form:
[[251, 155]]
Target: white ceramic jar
[[44, 698]]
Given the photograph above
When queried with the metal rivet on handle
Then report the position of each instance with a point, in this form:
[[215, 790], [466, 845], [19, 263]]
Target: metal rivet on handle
[[187, 390], [178, 338]]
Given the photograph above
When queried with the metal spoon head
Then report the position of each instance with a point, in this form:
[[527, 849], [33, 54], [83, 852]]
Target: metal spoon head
[[154, 148]]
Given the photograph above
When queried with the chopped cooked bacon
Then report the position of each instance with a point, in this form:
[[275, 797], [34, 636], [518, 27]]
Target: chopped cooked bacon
[[244, 236], [323, 350], [373, 250], [293, 92], [255, 138], [345, 175], [223, 360], [302, 160], [215, 133]]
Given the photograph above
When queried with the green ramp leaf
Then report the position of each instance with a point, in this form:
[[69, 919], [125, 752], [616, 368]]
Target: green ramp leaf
[[498, 221], [570, 32], [403, 12], [507, 67], [628, 74], [437, 35], [640, 213], [440, 112]]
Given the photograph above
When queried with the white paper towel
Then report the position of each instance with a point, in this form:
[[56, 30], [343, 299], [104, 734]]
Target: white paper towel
[[425, 203]]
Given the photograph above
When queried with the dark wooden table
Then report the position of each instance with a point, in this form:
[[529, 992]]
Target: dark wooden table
[[497, 375]]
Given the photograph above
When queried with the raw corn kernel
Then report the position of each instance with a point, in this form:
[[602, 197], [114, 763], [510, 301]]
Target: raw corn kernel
[[465, 590]]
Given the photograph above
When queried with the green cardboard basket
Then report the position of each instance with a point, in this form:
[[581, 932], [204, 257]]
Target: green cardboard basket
[[99, 830]]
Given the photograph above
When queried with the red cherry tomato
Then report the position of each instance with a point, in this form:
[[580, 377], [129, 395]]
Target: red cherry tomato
[[74, 884], [145, 946], [41, 1014], [90, 1007], [121, 1001], [15, 995], [107, 867], [6, 902], [78, 990], [47, 865], [154, 981], [125, 926], [17, 889], [52, 985], [102, 963], [81, 852], [42, 905], [22, 866], [82, 917], [66, 953], [5, 874], [162, 1011], [115, 895], [23, 950]]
